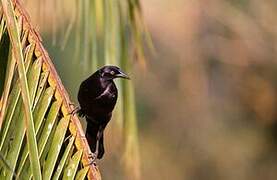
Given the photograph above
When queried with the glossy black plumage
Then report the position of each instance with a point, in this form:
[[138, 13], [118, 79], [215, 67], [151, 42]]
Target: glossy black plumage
[[97, 97]]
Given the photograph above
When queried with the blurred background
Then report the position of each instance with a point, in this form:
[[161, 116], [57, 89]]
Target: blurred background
[[206, 98]]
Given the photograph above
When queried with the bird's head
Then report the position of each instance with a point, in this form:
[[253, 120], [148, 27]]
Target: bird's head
[[112, 72]]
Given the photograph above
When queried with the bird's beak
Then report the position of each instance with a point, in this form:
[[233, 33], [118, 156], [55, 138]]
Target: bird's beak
[[122, 75]]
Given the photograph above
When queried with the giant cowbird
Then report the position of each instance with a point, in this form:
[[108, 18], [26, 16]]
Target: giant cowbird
[[97, 97]]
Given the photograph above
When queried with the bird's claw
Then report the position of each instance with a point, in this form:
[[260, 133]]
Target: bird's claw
[[75, 110], [92, 158]]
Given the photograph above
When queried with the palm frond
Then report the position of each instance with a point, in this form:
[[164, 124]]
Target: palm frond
[[49, 143]]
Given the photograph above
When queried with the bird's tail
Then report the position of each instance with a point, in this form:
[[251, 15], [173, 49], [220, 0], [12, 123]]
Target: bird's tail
[[101, 149], [91, 134], [93, 129]]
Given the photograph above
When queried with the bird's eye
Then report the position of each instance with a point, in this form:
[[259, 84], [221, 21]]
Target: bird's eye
[[112, 72]]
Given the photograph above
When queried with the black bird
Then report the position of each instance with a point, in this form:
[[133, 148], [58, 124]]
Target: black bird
[[97, 97]]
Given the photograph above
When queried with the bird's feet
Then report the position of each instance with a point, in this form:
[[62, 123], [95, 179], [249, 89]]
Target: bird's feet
[[75, 110], [92, 158]]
